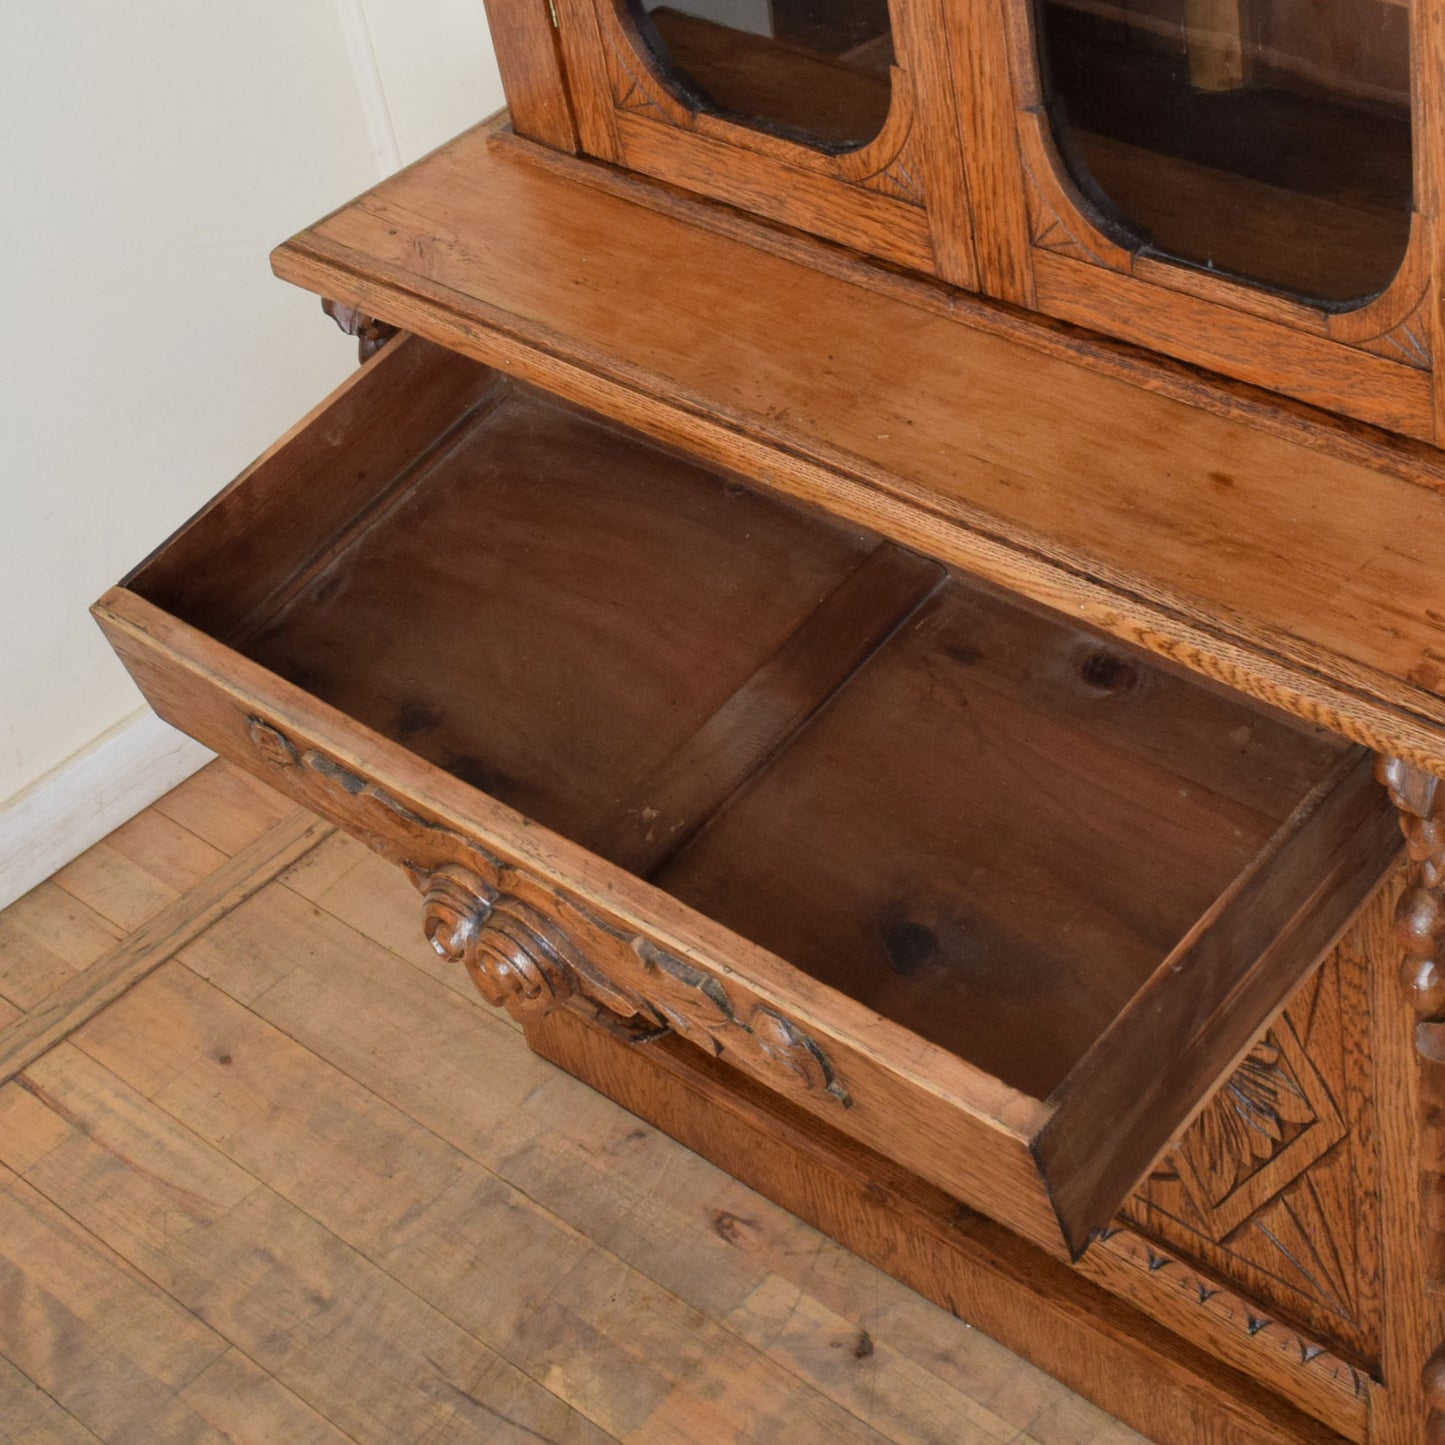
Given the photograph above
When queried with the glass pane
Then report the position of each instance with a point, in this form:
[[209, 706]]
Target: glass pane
[[1268, 139], [816, 71]]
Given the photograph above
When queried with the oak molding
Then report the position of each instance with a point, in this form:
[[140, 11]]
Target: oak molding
[[523, 959], [1206, 1308]]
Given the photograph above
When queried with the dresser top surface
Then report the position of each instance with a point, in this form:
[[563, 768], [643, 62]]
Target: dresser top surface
[[1297, 560]]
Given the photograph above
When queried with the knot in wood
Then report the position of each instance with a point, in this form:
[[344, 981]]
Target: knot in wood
[[1432, 1381]]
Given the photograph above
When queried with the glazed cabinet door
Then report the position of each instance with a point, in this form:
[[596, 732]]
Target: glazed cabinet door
[[1247, 185], [834, 118], [1244, 184]]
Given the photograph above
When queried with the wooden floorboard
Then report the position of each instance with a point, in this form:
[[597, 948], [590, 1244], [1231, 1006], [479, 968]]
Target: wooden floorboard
[[225, 807], [165, 932], [280, 1176], [29, 1414], [47, 937]]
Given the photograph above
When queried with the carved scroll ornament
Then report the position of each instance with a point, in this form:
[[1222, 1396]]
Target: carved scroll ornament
[[371, 335], [522, 960], [517, 960], [531, 946]]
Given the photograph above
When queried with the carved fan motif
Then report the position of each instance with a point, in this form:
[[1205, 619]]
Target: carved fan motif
[[634, 89], [1057, 221], [1271, 1187], [1248, 1121], [1407, 340], [1267, 1124]]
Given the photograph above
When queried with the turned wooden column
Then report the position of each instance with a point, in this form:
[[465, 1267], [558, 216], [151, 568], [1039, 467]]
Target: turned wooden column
[[1420, 931], [1420, 919], [1433, 1380]]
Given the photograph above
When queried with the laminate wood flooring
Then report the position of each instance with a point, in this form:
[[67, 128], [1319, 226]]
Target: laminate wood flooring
[[271, 1172]]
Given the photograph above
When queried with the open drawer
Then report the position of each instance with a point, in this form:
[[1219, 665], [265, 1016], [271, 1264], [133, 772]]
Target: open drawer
[[994, 894]]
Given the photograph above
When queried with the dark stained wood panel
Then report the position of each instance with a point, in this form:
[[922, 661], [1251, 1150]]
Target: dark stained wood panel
[[551, 607], [997, 830], [761, 716]]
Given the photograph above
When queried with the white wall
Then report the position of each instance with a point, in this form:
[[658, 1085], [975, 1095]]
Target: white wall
[[154, 154]]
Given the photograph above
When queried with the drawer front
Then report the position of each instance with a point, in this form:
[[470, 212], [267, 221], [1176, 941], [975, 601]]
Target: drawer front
[[540, 923], [986, 891]]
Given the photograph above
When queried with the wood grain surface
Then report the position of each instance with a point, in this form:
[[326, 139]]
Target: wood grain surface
[[1292, 571], [1078, 910], [225, 1218], [1148, 1375], [119, 910]]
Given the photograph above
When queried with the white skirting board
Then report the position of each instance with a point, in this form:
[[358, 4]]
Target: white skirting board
[[58, 817]]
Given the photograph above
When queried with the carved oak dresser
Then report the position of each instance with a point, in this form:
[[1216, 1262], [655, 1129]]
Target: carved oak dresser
[[889, 598]]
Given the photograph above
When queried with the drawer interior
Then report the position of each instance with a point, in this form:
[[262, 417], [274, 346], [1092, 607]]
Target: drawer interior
[[548, 610], [998, 830], [989, 825]]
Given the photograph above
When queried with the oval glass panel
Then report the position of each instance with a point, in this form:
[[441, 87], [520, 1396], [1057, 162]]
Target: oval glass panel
[[815, 71], [1265, 139]]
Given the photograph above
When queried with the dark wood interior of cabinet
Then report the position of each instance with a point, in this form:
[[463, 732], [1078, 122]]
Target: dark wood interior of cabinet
[[986, 823], [1303, 188], [836, 99], [971, 839]]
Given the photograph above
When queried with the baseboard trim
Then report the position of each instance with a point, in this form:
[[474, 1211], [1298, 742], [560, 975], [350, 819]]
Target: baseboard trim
[[89, 795]]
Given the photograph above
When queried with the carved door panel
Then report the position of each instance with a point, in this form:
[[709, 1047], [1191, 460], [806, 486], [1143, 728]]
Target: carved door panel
[[1237, 183], [1275, 1186], [833, 118]]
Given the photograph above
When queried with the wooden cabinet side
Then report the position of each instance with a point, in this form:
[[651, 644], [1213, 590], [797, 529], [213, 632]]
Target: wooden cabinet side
[[1314, 1181]]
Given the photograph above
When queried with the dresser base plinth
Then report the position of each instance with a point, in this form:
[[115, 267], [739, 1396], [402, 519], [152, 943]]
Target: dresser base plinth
[[1098, 1345]]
